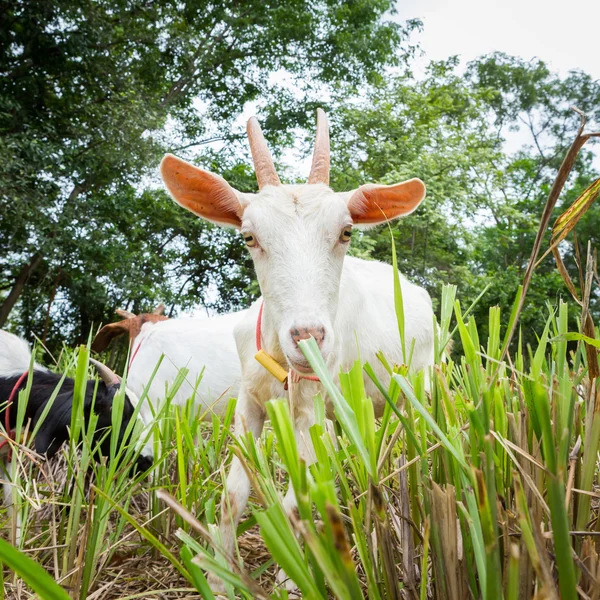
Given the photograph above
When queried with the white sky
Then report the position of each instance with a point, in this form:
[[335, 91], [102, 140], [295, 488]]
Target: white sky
[[559, 33], [563, 34]]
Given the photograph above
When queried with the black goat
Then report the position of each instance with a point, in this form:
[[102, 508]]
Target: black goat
[[15, 360]]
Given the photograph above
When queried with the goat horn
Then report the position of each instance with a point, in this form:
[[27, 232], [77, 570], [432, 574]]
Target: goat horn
[[107, 375], [159, 310], [319, 171], [125, 313], [263, 163]]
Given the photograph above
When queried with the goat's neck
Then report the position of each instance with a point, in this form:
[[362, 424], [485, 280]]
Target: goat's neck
[[43, 385]]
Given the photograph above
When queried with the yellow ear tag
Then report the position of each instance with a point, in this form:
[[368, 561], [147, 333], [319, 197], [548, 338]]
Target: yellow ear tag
[[271, 365]]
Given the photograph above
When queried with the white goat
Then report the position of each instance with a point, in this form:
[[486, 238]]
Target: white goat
[[203, 346], [298, 236]]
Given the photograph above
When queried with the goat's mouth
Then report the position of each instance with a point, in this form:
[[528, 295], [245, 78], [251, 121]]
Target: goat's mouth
[[302, 367]]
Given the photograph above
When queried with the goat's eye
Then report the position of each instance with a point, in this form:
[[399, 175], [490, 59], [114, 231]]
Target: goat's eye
[[249, 239], [346, 234]]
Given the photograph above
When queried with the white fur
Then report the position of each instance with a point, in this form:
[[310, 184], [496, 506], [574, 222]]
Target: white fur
[[307, 283], [15, 355], [204, 346], [365, 313], [298, 260]]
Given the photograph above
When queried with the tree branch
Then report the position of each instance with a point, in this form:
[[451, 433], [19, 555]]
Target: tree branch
[[225, 138]]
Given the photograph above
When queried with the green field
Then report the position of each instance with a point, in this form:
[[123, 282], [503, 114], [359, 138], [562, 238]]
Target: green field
[[483, 486]]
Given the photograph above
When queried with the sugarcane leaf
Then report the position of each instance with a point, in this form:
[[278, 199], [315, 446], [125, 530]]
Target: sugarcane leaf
[[32, 574], [565, 222]]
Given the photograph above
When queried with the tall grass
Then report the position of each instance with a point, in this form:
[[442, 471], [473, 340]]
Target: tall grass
[[475, 485], [485, 493], [79, 515]]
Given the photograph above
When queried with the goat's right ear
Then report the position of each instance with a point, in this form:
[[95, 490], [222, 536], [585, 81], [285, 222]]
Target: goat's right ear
[[108, 332], [205, 194]]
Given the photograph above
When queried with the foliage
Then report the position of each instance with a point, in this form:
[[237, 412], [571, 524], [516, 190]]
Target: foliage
[[113, 96], [93, 93], [452, 129]]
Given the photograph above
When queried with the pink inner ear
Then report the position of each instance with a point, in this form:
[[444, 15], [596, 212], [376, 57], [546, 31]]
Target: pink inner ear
[[372, 203], [205, 194]]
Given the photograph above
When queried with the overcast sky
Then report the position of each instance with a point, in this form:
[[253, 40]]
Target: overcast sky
[[563, 34]]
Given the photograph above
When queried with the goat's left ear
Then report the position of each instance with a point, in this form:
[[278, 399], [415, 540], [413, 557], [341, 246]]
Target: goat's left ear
[[205, 194], [54, 430], [372, 204], [108, 332]]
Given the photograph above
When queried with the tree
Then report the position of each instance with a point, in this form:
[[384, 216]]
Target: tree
[[527, 95], [477, 225], [437, 130], [92, 93]]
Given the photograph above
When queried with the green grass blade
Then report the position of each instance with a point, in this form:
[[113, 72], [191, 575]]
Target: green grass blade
[[409, 393], [147, 535], [398, 299], [31, 573], [343, 411]]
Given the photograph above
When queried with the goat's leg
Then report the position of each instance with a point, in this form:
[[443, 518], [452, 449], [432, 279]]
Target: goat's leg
[[249, 416]]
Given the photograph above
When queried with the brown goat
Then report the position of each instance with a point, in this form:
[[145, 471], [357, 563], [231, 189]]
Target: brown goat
[[132, 325]]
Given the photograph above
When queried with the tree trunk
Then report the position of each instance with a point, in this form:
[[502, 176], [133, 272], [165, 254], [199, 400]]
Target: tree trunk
[[18, 287], [34, 262], [50, 301]]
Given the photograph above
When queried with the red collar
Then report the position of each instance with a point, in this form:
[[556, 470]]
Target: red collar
[[294, 376], [133, 356], [10, 432]]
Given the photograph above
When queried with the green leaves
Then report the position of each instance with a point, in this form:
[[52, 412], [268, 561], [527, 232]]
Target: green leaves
[[88, 108], [422, 410], [282, 543], [343, 410], [32, 574]]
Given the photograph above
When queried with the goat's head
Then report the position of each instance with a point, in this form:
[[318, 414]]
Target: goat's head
[[130, 325], [297, 235]]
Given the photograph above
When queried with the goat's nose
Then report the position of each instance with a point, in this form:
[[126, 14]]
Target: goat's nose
[[303, 333]]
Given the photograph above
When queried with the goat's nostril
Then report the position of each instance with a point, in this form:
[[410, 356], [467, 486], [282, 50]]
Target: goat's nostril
[[303, 333]]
